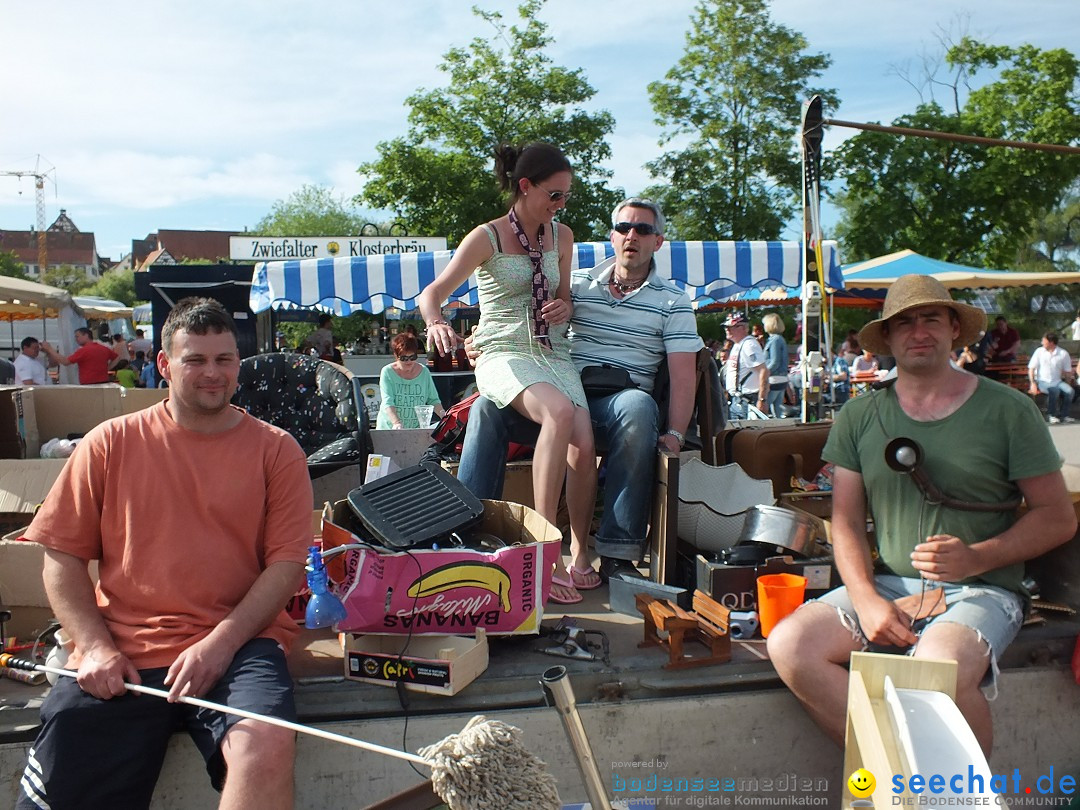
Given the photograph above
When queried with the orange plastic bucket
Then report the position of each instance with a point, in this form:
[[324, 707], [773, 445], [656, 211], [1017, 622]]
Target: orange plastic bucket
[[778, 595]]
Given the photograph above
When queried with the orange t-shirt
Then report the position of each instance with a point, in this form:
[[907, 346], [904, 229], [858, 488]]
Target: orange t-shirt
[[183, 523]]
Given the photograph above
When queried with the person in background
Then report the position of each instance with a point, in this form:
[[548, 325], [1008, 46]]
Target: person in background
[[1004, 342], [724, 352], [841, 381], [404, 384], [865, 363], [148, 376], [758, 334], [321, 341], [140, 344], [746, 377], [7, 371], [849, 349], [778, 359], [193, 577], [1076, 327], [28, 369], [120, 346], [125, 374], [1050, 371], [91, 358], [137, 363]]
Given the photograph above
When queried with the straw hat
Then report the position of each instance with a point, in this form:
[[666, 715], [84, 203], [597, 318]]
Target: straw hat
[[909, 292]]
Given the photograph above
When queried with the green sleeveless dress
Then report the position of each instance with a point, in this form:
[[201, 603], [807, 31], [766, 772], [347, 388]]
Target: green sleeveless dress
[[512, 359]]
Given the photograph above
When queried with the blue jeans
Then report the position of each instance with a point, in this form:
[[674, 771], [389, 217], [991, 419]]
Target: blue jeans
[[626, 432], [1059, 392], [774, 402]]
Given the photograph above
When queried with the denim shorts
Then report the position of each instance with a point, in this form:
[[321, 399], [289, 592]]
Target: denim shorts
[[994, 613], [108, 753]]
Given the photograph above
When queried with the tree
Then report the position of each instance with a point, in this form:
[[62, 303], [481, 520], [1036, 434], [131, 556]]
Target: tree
[[438, 178], [67, 277], [963, 202], [116, 285], [310, 211], [735, 96], [11, 266]]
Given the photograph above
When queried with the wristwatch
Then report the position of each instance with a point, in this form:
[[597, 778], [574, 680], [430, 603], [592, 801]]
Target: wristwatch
[[677, 435]]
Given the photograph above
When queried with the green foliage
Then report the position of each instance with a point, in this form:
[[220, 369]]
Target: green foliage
[[438, 178], [310, 211], [68, 278], [11, 266], [117, 285], [347, 330], [963, 202], [735, 97]]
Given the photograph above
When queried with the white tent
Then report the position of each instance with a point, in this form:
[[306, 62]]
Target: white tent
[[22, 300]]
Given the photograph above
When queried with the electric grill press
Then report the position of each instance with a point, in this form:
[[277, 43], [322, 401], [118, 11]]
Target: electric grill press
[[415, 507]]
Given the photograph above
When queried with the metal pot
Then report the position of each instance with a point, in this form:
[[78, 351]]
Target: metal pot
[[787, 531]]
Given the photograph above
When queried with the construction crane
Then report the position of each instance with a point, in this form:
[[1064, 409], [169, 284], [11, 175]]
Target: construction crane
[[39, 194]]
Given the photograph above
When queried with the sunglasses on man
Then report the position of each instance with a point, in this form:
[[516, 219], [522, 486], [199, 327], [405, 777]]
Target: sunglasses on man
[[641, 228], [407, 357]]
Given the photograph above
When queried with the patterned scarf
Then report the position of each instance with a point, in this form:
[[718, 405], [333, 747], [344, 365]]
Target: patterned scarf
[[539, 280]]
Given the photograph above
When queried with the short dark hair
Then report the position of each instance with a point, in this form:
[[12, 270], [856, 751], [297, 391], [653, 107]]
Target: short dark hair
[[324, 320], [198, 316], [85, 331], [534, 162], [139, 332], [404, 343], [1052, 337], [27, 342], [140, 355]]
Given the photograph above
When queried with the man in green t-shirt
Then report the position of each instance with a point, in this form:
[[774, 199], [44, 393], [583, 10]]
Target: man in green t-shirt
[[982, 445]]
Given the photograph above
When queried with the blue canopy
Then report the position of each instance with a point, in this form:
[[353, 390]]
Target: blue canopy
[[880, 273], [708, 271]]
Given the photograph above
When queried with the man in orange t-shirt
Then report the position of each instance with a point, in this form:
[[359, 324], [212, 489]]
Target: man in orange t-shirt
[[193, 578], [93, 359]]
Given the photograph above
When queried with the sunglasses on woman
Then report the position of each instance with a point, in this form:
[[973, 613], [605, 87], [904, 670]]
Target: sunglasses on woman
[[641, 228], [407, 357], [557, 196]]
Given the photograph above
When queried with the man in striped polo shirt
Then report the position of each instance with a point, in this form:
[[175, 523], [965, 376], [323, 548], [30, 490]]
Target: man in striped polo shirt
[[626, 317]]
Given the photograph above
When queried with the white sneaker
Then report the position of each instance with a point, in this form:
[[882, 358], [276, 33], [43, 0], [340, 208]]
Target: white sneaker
[[1054, 420], [1067, 419]]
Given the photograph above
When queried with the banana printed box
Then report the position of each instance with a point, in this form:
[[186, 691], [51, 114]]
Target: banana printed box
[[437, 665], [449, 591]]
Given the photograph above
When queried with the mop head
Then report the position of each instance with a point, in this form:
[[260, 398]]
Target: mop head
[[486, 767]]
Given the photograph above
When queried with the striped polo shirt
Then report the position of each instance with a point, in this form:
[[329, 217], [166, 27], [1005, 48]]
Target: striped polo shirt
[[634, 333]]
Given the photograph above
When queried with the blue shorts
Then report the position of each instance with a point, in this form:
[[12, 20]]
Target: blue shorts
[[995, 614], [108, 753]]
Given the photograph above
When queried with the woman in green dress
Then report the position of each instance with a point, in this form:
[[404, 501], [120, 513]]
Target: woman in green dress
[[522, 264]]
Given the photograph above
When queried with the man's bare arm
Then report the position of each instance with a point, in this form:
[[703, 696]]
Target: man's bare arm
[[103, 667], [200, 666]]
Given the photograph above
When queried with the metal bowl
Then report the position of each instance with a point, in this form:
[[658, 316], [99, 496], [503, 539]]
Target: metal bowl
[[787, 531]]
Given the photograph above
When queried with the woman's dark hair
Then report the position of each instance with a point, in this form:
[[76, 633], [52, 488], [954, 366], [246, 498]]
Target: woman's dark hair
[[404, 344], [535, 162]]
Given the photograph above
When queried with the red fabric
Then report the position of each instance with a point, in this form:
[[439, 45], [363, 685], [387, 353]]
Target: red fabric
[[93, 361]]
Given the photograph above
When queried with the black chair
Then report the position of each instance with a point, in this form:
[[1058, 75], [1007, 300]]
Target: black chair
[[313, 400]]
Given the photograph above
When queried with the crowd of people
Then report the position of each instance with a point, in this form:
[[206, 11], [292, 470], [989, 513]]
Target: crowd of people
[[191, 600], [111, 358]]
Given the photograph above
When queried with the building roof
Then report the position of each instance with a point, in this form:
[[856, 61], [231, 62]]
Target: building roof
[[208, 246], [64, 247]]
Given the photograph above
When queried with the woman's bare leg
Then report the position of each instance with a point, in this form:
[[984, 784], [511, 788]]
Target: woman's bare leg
[[581, 487]]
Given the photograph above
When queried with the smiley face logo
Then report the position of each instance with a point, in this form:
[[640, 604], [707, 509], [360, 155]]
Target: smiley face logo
[[861, 783]]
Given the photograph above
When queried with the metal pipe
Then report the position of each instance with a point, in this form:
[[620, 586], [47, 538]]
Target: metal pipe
[[956, 137], [557, 685]]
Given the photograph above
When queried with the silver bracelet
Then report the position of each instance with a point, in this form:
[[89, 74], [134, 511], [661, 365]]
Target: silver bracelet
[[677, 435]]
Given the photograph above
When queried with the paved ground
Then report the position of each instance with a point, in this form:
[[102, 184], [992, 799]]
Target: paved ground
[[1067, 440]]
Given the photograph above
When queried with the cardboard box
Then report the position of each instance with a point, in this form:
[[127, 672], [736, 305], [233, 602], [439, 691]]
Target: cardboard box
[[517, 483], [21, 563], [24, 483], [735, 586], [18, 424], [428, 591], [437, 665], [136, 399], [62, 410]]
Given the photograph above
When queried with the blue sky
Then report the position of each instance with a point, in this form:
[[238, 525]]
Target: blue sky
[[176, 115]]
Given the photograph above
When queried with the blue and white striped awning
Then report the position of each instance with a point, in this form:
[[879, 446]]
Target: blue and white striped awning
[[708, 271]]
